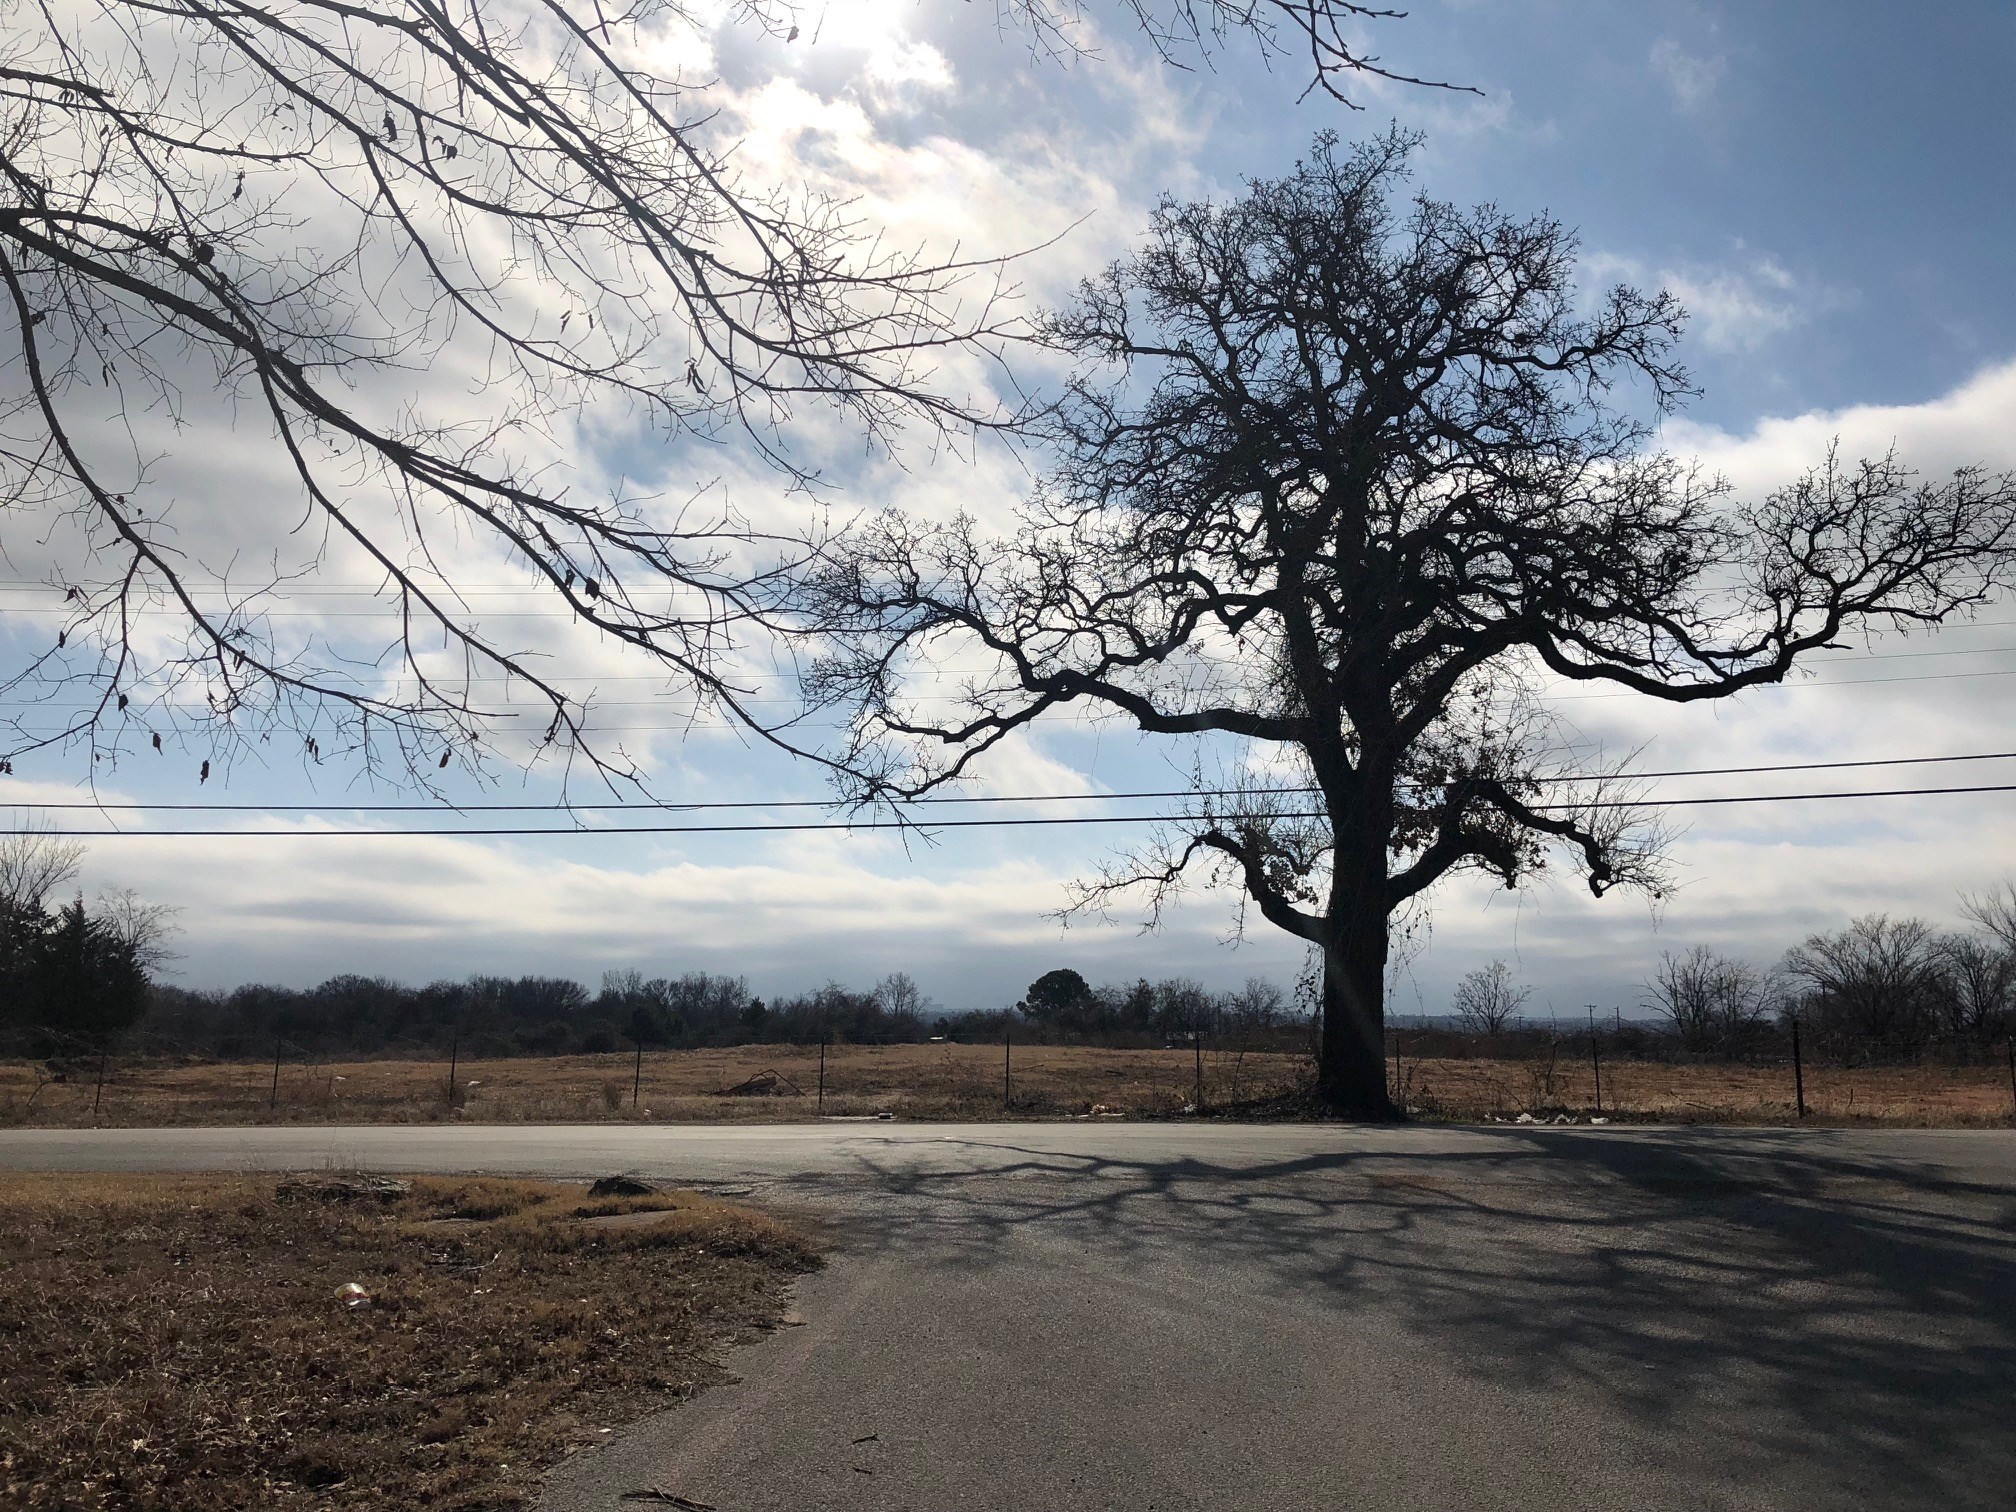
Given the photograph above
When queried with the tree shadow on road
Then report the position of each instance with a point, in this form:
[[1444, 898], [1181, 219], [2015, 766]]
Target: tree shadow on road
[[1789, 1299]]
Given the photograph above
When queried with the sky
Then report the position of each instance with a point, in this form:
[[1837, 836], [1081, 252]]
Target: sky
[[1829, 189]]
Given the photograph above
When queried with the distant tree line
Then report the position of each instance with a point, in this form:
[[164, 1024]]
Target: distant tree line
[[487, 1016], [77, 976], [1881, 989]]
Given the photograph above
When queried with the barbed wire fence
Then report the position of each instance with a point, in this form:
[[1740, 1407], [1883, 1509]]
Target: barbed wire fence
[[147, 1074]]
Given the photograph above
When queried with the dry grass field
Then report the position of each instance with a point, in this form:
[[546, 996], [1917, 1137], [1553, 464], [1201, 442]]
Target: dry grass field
[[960, 1081], [1901, 1096], [180, 1342], [907, 1081]]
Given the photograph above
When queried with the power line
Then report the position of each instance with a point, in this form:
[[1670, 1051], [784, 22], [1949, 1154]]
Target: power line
[[904, 824], [962, 799]]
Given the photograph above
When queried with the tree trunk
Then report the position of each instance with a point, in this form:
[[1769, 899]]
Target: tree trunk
[[1351, 1062]]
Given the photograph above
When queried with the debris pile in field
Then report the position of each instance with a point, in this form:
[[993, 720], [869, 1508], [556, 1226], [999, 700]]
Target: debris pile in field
[[765, 1083]]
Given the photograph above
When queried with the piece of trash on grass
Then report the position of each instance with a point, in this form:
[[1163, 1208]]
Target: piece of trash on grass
[[1525, 1118], [1599, 1120], [667, 1499], [353, 1296]]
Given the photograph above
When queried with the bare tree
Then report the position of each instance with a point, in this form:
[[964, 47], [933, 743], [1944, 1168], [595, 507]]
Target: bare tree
[[1874, 987], [1977, 990], [33, 865], [271, 215], [1339, 478], [1486, 1001], [1315, 32], [141, 928], [1993, 911], [898, 994], [1713, 1002]]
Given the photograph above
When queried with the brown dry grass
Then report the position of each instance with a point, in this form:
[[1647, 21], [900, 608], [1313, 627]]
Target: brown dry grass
[[177, 1342], [1901, 1096], [909, 1081], [964, 1082]]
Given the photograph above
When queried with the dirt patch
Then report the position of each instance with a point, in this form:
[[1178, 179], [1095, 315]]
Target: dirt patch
[[186, 1342]]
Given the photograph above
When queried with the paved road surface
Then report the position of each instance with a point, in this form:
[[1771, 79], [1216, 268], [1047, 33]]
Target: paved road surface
[[1170, 1317]]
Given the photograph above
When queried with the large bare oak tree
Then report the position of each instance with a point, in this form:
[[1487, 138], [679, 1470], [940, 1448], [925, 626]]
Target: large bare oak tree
[[259, 223], [1342, 475]]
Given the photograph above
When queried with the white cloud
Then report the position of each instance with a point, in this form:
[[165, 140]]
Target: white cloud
[[1692, 78], [1740, 306], [1968, 426]]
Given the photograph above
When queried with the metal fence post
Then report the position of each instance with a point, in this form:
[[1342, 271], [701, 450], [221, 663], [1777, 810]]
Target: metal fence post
[[1197, 1044], [822, 1073], [637, 1076], [2012, 1072], [1798, 1071], [1007, 1070], [454, 1051], [1595, 1059], [273, 1099], [99, 1096]]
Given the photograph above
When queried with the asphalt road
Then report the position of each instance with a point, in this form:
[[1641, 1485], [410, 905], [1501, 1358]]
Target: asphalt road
[[1174, 1317]]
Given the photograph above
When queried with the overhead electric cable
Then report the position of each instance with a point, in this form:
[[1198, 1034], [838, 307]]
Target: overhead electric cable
[[827, 803], [937, 824]]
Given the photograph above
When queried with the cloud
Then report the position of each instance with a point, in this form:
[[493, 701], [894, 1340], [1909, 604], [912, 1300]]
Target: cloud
[[1968, 426], [1692, 78], [1731, 308], [821, 907]]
